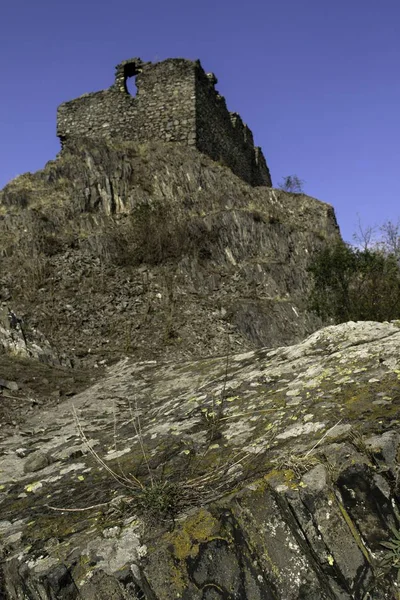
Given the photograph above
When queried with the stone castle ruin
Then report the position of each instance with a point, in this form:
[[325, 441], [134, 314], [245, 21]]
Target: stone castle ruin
[[176, 101]]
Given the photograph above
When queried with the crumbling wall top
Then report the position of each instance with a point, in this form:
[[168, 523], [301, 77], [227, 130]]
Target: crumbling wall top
[[124, 70], [175, 100]]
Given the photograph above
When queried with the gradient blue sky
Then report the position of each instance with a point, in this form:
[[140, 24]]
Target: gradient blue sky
[[317, 82]]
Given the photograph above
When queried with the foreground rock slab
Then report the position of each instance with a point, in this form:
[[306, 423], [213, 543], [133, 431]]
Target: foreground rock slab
[[266, 475]]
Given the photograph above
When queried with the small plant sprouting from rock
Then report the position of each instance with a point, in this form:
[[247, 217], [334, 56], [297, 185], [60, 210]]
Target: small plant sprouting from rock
[[160, 500], [213, 416], [212, 419], [155, 498], [391, 557]]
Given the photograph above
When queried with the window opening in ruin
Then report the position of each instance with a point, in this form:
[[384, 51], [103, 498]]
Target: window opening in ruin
[[130, 72], [130, 84]]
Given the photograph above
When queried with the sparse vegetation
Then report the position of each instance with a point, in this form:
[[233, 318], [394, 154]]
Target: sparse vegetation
[[152, 234], [391, 557], [292, 184], [154, 496], [160, 501], [214, 415], [355, 285]]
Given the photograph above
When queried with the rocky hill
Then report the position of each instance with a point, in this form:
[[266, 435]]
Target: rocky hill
[[155, 251], [170, 428]]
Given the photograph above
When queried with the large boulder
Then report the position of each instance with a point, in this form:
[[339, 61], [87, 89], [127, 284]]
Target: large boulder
[[271, 474]]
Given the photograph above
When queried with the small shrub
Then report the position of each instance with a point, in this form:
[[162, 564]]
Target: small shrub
[[153, 497], [258, 216], [355, 285], [158, 234], [159, 502], [292, 184], [391, 557], [214, 415], [212, 418]]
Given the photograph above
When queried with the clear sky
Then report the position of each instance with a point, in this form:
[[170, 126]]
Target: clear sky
[[317, 81]]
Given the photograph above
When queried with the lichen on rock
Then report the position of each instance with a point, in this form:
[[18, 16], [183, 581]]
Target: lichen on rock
[[296, 505]]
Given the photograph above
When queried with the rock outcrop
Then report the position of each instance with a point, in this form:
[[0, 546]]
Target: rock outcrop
[[156, 251], [271, 474], [18, 341], [170, 433]]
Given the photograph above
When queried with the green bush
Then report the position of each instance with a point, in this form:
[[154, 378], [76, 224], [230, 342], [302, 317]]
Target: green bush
[[355, 285]]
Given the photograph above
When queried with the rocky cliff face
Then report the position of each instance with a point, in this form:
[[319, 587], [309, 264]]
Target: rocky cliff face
[[271, 474], [149, 448], [155, 251]]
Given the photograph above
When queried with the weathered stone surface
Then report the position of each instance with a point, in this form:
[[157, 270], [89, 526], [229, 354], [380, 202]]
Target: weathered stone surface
[[285, 475], [24, 343], [9, 385], [36, 461]]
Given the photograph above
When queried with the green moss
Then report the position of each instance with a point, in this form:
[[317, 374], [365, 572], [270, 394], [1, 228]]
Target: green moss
[[358, 399], [56, 524]]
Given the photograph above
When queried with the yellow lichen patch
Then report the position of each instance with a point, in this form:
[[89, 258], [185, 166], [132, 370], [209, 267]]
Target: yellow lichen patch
[[232, 398], [83, 569], [279, 477], [197, 529], [33, 487], [178, 579]]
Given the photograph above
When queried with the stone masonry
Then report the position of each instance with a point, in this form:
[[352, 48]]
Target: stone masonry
[[176, 101]]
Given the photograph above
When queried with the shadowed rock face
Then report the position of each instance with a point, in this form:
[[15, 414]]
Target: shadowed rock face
[[271, 474], [155, 251]]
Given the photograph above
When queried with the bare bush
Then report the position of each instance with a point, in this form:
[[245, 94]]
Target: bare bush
[[292, 184]]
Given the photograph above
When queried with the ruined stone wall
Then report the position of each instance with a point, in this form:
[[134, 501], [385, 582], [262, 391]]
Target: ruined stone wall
[[166, 103], [223, 135], [175, 101], [163, 108], [101, 114]]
